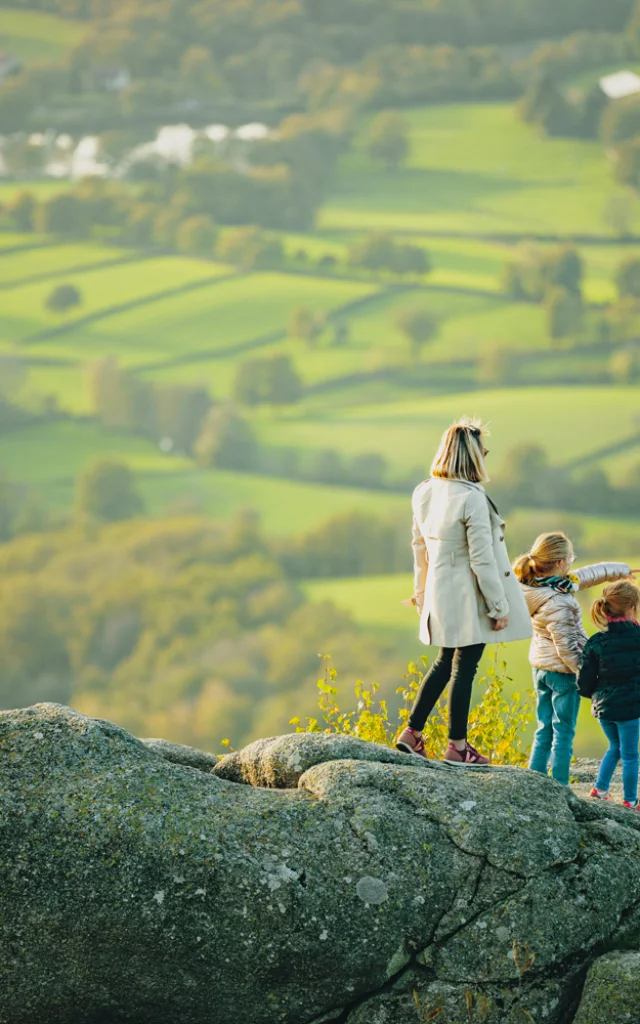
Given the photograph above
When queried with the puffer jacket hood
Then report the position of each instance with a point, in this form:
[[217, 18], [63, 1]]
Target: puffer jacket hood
[[558, 633]]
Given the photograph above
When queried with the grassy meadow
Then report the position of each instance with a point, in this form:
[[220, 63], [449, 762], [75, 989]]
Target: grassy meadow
[[38, 36], [478, 184]]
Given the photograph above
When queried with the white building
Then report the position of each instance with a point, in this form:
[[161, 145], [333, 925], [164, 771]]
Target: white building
[[620, 85]]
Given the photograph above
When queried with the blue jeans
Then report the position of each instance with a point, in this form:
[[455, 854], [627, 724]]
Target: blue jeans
[[558, 705], [623, 743]]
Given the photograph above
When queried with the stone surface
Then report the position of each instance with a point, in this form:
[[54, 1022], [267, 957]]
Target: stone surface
[[179, 754], [612, 991], [348, 882], [280, 761]]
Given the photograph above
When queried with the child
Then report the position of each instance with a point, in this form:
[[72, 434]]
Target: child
[[610, 676], [558, 642]]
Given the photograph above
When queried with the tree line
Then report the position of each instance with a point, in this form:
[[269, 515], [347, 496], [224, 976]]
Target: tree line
[[269, 55]]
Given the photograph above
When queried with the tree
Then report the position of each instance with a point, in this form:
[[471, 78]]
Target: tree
[[564, 312], [628, 278], [618, 212], [625, 366], [20, 210], [106, 490], [341, 334], [250, 249], [197, 235], [410, 259], [418, 326], [374, 252], [226, 441], [270, 381], [197, 67], [368, 470], [63, 214], [178, 413], [389, 140], [306, 325], [62, 298], [564, 268], [621, 121]]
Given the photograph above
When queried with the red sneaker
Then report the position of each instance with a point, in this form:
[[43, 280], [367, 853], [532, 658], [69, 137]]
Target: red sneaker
[[410, 743], [599, 796], [468, 758], [632, 807]]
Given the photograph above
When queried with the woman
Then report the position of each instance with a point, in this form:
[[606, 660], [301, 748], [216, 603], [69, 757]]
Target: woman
[[464, 587]]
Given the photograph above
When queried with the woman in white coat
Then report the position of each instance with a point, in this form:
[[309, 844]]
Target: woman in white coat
[[464, 586]]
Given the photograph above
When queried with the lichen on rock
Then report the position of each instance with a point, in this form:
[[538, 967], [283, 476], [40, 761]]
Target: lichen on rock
[[306, 878]]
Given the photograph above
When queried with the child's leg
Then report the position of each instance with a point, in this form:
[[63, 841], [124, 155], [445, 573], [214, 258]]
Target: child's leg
[[629, 733], [541, 749], [610, 760], [566, 704]]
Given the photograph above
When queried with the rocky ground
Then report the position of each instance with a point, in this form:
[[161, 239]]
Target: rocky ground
[[583, 776], [302, 880]]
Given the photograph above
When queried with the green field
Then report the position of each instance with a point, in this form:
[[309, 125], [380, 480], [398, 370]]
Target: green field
[[54, 260], [24, 314], [567, 422], [38, 36], [475, 170]]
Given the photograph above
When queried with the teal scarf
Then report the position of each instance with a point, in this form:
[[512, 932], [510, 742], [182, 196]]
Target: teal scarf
[[563, 584]]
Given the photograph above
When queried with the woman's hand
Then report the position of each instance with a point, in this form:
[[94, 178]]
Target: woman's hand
[[499, 624]]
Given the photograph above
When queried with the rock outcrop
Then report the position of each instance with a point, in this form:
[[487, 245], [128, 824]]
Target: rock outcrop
[[304, 879]]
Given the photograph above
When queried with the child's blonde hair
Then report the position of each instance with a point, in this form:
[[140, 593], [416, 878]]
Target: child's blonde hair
[[548, 550], [461, 453], [620, 600]]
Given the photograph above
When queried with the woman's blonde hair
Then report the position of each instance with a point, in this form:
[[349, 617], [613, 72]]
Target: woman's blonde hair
[[547, 551], [461, 453], [620, 600]]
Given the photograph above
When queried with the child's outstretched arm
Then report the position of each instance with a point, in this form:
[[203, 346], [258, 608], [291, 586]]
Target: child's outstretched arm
[[588, 674], [602, 572]]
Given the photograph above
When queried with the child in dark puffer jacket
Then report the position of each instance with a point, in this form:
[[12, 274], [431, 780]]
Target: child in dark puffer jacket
[[610, 676]]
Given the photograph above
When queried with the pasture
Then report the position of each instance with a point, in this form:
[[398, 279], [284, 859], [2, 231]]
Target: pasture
[[567, 422], [24, 314], [38, 36], [475, 170]]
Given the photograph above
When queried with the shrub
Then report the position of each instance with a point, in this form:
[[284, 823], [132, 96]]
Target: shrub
[[501, 721], [63, 298]]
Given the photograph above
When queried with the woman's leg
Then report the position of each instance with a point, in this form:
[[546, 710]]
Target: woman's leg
[[566, 705], [431, 689], [610, 760], [465, 665], [629, 734], [541, 749]]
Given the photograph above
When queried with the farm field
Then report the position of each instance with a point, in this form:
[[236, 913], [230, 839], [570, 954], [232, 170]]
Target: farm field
[[38, 36], [23, 311], [517, 183], [403, 430], [55, 260], [237, 312]]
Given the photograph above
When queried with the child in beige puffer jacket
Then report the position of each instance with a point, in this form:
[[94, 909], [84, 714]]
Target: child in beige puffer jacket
[[558, 642]]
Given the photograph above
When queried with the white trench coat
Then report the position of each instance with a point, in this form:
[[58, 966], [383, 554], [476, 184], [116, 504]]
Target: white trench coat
[[463, 577]]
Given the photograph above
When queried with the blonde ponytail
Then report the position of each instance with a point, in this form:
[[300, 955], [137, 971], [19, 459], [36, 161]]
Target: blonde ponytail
[[599, 613], [549, 549], [620, 600], [525, 569]]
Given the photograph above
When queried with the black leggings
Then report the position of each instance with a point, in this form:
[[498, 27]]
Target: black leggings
[[459, 665]]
